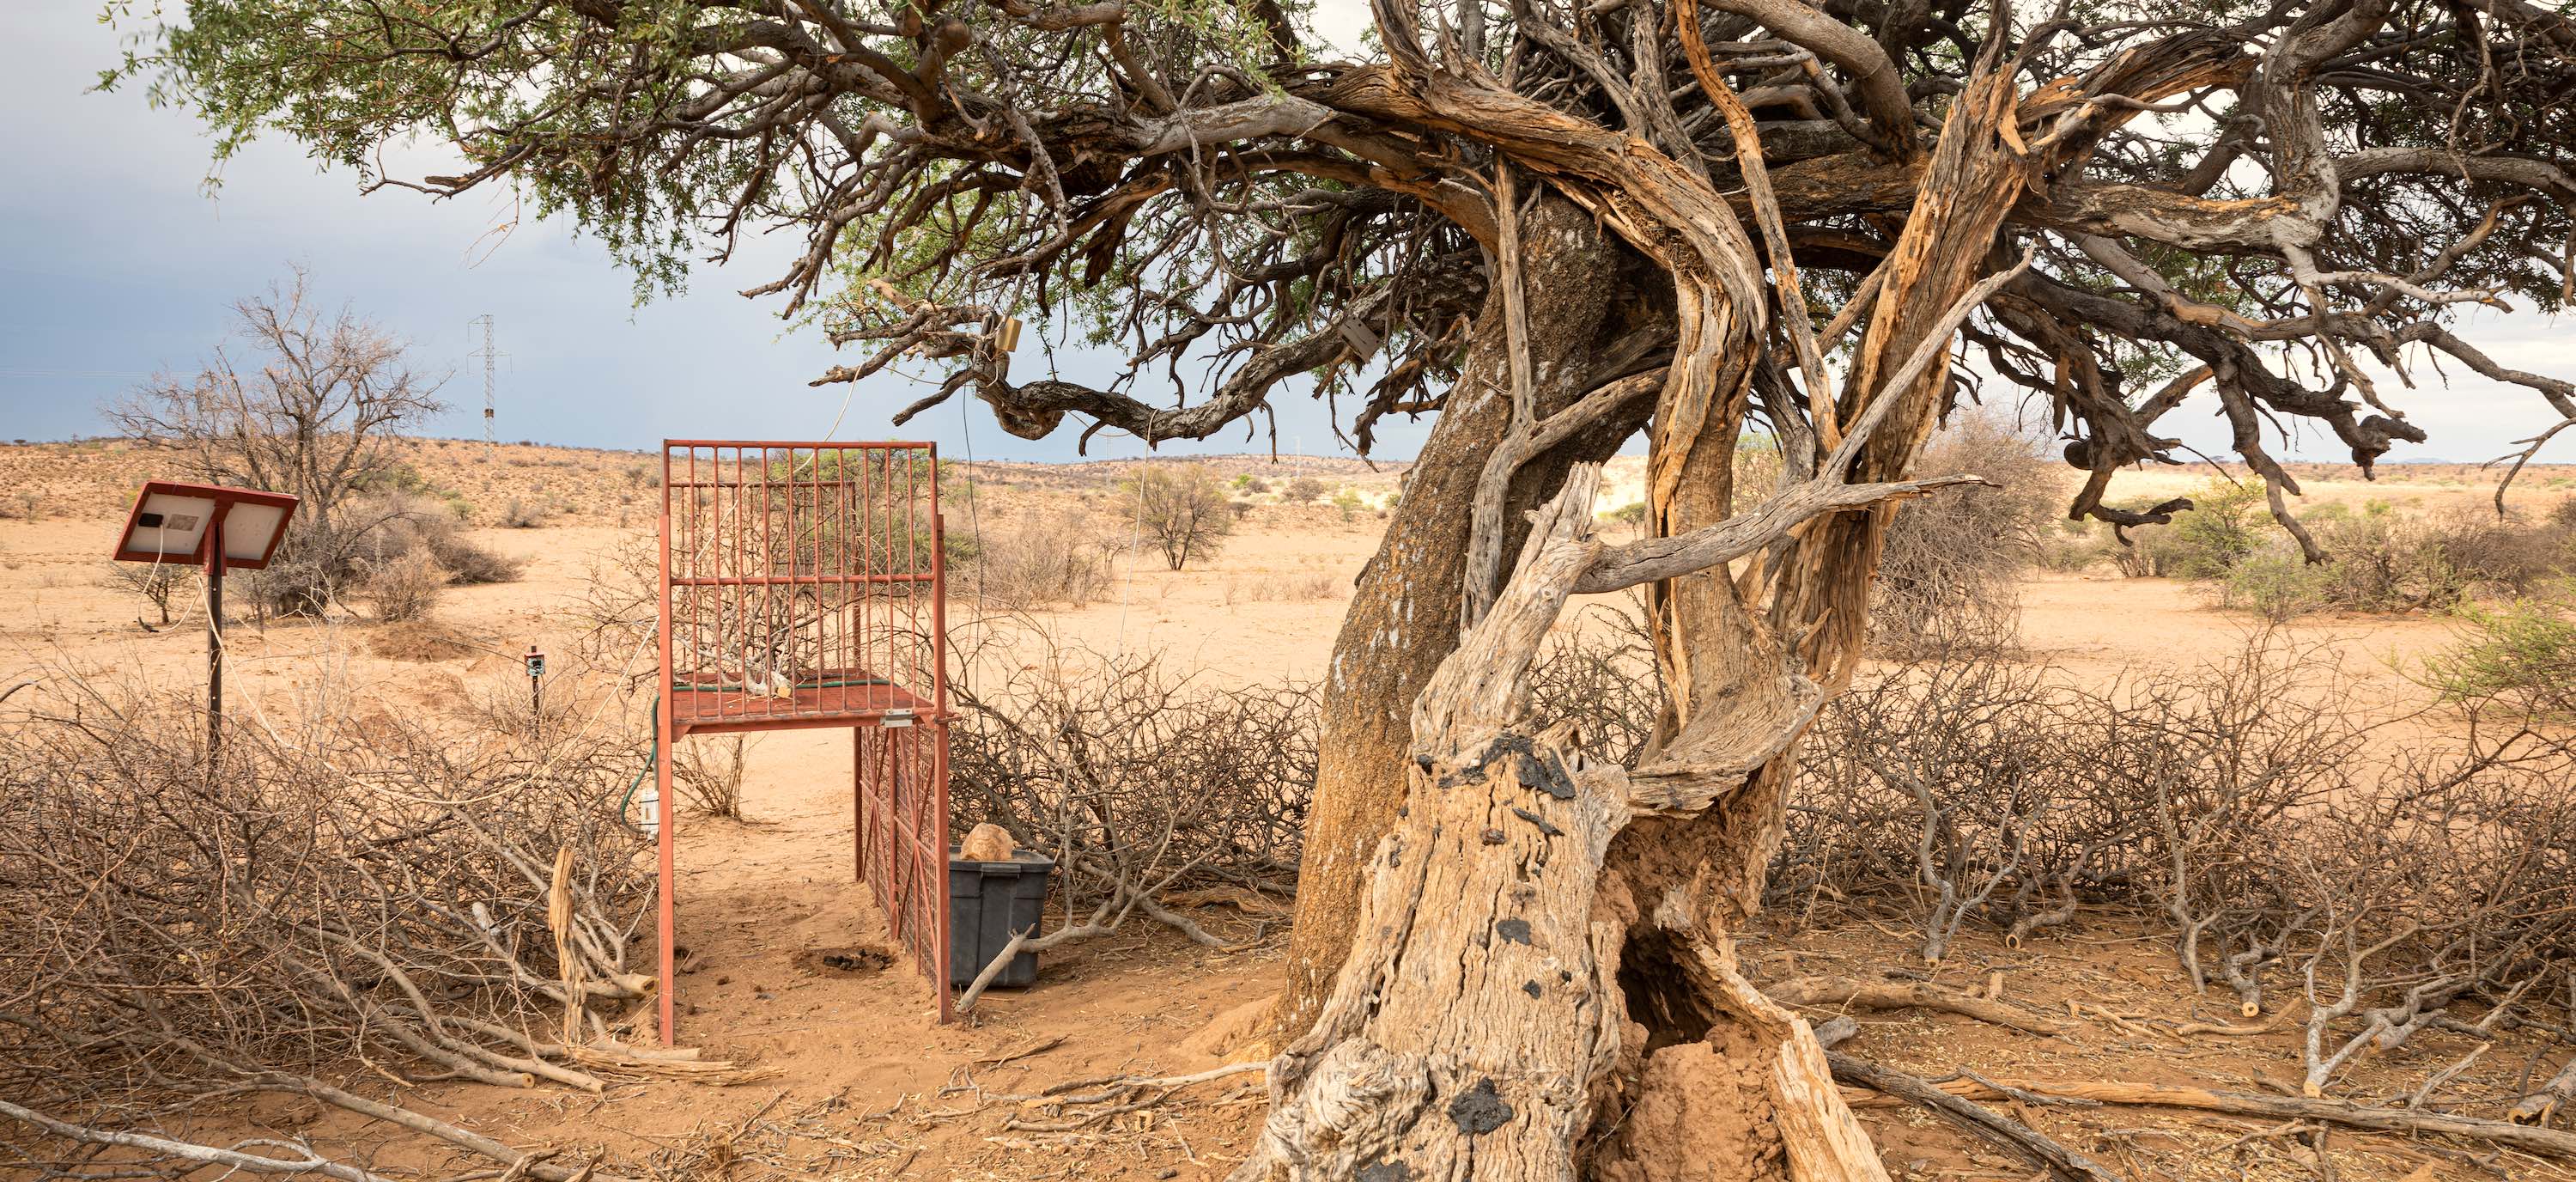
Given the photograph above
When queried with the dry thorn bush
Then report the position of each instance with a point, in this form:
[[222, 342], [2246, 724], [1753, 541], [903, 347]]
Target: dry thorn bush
[[1599, 675], [405, 587], [707, 773], [2252, 809], [1043, 558], [23, 505], [158, 584], [1951, 576], [340, 903], [408, 523], [1283, 588], [1150, 790]]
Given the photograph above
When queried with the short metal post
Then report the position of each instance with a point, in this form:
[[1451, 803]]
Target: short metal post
[[536, 693]]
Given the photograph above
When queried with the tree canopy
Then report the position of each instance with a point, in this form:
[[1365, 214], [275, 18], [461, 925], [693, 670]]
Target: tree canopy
[[2251, 198]]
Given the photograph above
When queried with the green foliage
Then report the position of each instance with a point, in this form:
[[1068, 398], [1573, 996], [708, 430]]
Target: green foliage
[[1182, 508], [2383, 563], [2378, 560], [2277, 586], [959, 549], [2521, 656], [2225, 526], [397, 476]]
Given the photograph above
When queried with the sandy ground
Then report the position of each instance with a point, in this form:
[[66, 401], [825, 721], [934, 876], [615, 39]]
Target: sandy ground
[[867, 1086]]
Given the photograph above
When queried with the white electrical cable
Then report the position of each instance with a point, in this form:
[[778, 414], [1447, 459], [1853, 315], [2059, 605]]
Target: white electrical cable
[[1135, 538]]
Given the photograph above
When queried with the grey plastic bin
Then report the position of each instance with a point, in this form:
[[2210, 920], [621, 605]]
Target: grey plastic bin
[[987, 901]]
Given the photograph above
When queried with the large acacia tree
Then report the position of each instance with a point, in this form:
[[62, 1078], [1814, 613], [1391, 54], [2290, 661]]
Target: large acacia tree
[[1552, 225]]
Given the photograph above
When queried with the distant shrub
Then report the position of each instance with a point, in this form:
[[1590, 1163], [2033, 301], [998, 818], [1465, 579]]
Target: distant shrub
[[1757, 469], [2503, 554], [1182, 509], [2072, 547], [1953, 562], [2377, 559], [2380, 562], [156, 583], [2274, 584], [1303, 490], [2521, 656], [1283, 588], [2226, 524], [398, 476], [320, 563], [1043, 558], [2151, 552], [404, 587], [519, 514], [401, 524]]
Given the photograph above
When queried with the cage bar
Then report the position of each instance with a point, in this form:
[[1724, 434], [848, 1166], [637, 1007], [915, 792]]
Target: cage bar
[[802, 586]]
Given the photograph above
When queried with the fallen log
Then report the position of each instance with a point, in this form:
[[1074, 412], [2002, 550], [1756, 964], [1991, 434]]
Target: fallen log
[[2012, 1136], [2528, 1138], [2342, 1112]]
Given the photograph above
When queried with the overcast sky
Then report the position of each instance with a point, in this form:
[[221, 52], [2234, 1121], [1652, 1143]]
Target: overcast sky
[[119, 262]]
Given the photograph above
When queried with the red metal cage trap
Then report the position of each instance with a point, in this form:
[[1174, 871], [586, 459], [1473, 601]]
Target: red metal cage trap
[[802, 585]]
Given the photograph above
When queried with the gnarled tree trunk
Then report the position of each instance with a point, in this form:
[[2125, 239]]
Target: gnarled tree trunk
[[1541, 983], [1403, 618], [1481, 1027]]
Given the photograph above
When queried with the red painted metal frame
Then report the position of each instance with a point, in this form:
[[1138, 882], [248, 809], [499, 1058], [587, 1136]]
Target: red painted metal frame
[[224, 497], [899, 778], [802, 585]]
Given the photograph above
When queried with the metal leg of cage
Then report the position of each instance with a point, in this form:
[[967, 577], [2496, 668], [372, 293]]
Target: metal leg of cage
[[666, 843]]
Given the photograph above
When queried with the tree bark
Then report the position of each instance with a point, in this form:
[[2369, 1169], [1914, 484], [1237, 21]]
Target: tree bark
[[1489, 1035], [1541, 982], [1404, 614]]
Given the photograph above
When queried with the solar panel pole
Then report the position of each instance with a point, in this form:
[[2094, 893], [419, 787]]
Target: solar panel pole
[[167, 511], [214, 544]]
